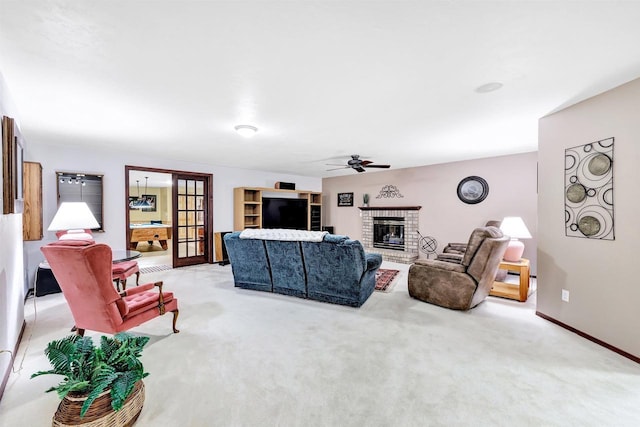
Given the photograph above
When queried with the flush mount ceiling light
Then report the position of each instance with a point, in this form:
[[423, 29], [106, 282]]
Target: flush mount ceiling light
[[489, 87], [246, 130]]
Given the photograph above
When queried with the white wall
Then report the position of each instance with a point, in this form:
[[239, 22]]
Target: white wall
[[11, 265], [599, 274], [111, 164], [512, 192]]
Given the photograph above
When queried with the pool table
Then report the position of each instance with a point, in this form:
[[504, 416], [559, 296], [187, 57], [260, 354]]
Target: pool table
[[149, 233]]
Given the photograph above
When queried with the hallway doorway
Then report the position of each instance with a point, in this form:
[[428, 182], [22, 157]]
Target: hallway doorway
[[169, 216]]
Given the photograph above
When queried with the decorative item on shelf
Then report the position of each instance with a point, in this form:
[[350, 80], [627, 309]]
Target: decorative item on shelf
[[389, 192], [74, 218], [514, 227], [102, 386], [280, 185], [427, 245], [473, 190], [365, 200], [345, 199], [589, 190]]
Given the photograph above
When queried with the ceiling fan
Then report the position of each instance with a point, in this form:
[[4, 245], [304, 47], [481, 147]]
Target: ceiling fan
[[358, 164]]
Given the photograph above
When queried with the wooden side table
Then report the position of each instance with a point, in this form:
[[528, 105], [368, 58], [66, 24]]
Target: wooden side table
[[519, 292]]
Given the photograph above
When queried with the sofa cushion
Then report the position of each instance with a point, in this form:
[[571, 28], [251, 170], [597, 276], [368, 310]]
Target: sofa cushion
[[249, 262], [287, 270], [334, 270]]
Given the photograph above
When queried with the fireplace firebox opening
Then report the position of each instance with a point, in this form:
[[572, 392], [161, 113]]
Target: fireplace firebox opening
[[388, 233]]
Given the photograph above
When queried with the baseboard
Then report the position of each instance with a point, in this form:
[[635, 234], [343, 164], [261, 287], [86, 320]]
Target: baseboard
[[590, 338], [5, 379]]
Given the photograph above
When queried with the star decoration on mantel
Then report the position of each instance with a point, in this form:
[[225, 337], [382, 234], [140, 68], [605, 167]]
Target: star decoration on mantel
[[389, 192]]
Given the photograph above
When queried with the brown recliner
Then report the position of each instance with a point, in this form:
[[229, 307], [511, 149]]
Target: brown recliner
[[454, 252], [465, 285]]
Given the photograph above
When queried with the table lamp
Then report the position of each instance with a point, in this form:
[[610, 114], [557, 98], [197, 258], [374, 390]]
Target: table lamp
[[514, 227], [74, 218]]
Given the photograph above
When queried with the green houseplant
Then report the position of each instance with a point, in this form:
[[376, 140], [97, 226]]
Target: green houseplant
[[90, 370]]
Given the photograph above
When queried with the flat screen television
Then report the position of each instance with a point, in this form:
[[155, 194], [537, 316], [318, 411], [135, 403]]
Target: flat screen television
[[279, 212]]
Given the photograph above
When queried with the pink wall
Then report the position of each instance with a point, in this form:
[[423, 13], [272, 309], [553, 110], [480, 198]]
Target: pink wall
[[604, 290], [512, 192]]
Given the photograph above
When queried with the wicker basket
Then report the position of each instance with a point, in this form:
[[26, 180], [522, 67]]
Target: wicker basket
[[100, 413]]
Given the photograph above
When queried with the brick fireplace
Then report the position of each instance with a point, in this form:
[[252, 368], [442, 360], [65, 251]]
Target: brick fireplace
[[407, 216]]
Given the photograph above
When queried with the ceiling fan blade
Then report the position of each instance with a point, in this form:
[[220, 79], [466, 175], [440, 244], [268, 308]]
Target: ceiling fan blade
[[359, 169], [378, 166], [366, 162], [335, 164], [335, 169]]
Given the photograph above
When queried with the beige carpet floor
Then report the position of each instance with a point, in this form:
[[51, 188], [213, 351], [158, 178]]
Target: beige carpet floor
[[248, 358]]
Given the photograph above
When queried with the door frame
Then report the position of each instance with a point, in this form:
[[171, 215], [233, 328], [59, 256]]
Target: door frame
[[174, 230]]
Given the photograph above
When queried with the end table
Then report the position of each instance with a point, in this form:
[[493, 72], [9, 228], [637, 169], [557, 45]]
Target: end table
[[519, 292]]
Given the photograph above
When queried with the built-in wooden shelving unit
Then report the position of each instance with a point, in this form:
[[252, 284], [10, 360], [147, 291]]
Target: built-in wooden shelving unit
[[247, 209]]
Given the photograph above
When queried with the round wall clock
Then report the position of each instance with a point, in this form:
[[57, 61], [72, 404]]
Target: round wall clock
[[473, 189]]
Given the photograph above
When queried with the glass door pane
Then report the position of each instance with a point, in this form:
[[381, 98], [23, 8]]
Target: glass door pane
[[191, 215]]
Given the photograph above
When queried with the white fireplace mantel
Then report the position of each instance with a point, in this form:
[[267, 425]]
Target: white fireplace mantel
[[390, 208]]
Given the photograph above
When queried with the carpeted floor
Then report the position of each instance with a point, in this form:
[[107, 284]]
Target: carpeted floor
[[385, 279], [250, 358], [154, 268]]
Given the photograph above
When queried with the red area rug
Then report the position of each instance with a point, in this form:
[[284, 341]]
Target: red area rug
[[384, 279]]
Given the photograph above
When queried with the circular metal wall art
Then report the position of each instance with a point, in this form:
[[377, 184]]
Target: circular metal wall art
[[576, 193], [599, 164], [589, 226], [473, 189]]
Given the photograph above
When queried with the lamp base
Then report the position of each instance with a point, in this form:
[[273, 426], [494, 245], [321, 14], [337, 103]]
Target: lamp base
[[514, 251], [76, 235]]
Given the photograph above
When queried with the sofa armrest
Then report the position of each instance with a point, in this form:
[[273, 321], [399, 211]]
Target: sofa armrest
[[373, 261], [455, 248], [137, 290], [441, 265], [450, 257]]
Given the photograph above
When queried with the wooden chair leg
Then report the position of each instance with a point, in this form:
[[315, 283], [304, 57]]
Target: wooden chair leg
[[124, 284], [175, 317], [137, 278], [117, 284], [80, 332]]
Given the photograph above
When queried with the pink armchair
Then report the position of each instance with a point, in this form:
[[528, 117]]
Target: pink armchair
[[83, 271]]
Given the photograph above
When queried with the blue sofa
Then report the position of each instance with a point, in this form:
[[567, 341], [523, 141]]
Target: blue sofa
[[335, 270]]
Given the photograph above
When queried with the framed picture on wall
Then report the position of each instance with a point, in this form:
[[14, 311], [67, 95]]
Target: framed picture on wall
[[345, 199], [12, 158], [133, 200], [150, 200]]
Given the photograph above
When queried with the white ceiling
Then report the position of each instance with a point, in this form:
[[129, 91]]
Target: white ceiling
[[393, 81]]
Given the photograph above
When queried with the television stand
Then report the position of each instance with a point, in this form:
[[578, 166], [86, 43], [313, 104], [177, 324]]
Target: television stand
[[247, 206]]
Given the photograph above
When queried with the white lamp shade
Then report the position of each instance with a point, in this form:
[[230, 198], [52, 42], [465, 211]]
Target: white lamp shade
[[73, 215], [514, 227]]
